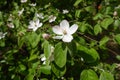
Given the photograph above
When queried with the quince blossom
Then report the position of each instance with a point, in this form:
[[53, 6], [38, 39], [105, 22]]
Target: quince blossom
[[40, 15], [2, 35], [43, 59], [64, 31], [33, 4], [20, 12], [65, 11], [10, 25], [34, 25], [23, 1], [52, 18]]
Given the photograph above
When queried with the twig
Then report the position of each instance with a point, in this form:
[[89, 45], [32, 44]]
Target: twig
[[112, 51], [89, 38], [86, 36]]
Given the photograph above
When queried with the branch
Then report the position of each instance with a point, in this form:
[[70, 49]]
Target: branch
[[89, 38]]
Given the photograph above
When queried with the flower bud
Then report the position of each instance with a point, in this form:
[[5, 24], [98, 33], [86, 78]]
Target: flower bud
[[46, 36], [115, 13]]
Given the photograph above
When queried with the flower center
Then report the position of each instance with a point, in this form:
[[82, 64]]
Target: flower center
[[35, 25], [64, 32]]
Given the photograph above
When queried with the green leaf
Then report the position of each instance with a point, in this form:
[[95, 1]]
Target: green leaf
[[117, 38], [17, 77], [33, 57], [12, 51], [1, 23], [118, 57], [22, 67], [83, 26], [108, 10], [45, 69], [77, 13], [60, 55], [90, 9], [81, 41], [106, 22], [29, 77], [77, 2], [116, 24], [34, 66], [98, 16], [44, 79], [72, 50], [33, 39], [59, 72], [47, 49], [2, 43], [89, 55], [97, 29], [1, 16], [17, 22], [103, 41], [88, 75], [106, 76], [21, 41]]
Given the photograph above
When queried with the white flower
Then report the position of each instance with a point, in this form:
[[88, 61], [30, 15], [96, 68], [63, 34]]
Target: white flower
[[2, 35], [52, 18], [20, 12], [40, 15], [40, 8], [10, 25], [82, 59], [65, 11], [34, 25], [43, 59], [32, 4], [118, 7], [64, 31], [23, 1]]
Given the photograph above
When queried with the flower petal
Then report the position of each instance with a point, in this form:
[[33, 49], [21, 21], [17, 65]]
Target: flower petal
[[35, 28], [52, 18], [57, 30], [30, 27], [67, 38], [64, 24], [73, 29], [37, 22], [44, 62], [58, 37], [40, 24], [43, 58], [31, 22]]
